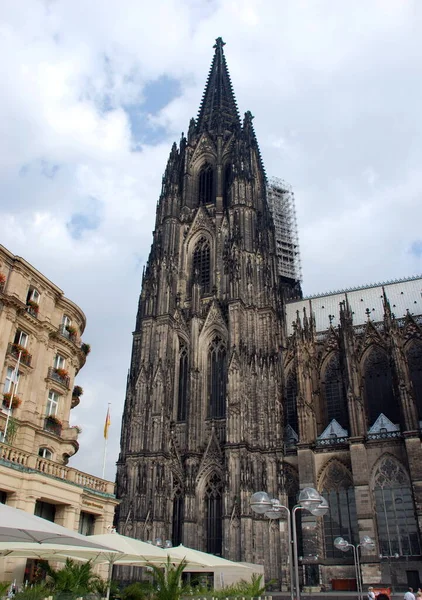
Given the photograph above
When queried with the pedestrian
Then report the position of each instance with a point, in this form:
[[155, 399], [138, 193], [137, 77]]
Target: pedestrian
[[409, 595], [419, 593], [371, 594]]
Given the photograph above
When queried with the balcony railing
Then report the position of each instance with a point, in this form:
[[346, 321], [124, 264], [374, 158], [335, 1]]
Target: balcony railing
[[14, 350], [72, 337], [52, 426], [331, 441], [48, 467], [32, 311], [384, 435], [64, 380]]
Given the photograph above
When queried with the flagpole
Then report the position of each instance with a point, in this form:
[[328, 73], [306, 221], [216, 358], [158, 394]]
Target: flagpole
[[14, 388], [106, 426]]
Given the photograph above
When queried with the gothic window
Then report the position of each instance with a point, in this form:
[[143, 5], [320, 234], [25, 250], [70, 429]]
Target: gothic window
[[206, 184], [396, 521], [226, 184], [182, 398], [379, 387], [291, 401], [335, 397], [201, 265], [341, 519], [214, 514], [217, 378], [414, 359], [178, 515]]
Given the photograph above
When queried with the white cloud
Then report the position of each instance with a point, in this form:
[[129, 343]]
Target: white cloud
[[336, 95]]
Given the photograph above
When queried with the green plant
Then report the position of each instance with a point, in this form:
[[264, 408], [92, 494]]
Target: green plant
[[77, 391], [34, 305], [4, 585], [100, 588], [12, 430], [54, 420], [139, 590], [168, 581], [72, 330], [36, 592], [253, 588], [73, 580], [16, 401], [86, 348]]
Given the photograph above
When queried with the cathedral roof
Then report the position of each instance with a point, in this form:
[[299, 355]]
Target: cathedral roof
[[218, 109], [404, 296]]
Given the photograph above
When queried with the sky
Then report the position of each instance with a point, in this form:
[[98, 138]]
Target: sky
[[94, 94]]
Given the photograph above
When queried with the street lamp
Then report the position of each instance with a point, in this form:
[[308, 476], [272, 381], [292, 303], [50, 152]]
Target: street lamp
[[309, 499], [343, 545]]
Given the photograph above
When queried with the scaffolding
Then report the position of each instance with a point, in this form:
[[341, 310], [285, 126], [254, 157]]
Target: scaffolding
[[281, 202]]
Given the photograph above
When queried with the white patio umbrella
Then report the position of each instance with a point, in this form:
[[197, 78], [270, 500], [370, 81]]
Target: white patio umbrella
[[126, 551], [196, 558], [18, 526]]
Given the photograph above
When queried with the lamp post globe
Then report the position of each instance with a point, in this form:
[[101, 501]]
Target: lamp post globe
[[341, 544], [367, 542], [309, 498], [260, 503], [321, 509]]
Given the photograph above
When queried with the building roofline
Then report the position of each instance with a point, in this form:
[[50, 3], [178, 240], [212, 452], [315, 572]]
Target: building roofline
[[357, 288]]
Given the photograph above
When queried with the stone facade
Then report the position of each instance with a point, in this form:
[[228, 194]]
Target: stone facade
[[226, 397], [40, 333]]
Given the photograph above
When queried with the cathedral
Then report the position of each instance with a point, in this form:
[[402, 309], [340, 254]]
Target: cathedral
[[239, 384]]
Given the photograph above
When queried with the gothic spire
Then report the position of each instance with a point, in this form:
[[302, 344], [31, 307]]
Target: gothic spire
[[218, 109]]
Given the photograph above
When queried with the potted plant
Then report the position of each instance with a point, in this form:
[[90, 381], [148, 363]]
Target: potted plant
[[33, 306], [77, 391], [72, 330], [77, 427], [61, 373], [2, 278], [24, 352], [54, 420], [86, 348], [16, 401]]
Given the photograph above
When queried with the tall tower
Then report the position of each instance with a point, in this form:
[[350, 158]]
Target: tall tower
[[203, 420]]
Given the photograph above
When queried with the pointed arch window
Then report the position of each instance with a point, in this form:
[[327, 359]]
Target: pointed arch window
[[178, 514], [201, 265], [395, 510], [341, 519], [414, 361], [182, 397], [334, 393], [379, 391], [217, 378], [291, 401], [214, 514], [206, 184]]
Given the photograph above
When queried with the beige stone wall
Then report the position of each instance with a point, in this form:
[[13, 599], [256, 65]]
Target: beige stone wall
[[25, 476]]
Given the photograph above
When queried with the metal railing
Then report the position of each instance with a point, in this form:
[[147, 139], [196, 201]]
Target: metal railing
[[14, 350], [62, 379]]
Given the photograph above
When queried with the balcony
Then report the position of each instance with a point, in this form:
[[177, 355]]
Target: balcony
[[32, 309], [70, 333], [35, 463], [15, 349], [331, 441], [53, 425], [59, 376]]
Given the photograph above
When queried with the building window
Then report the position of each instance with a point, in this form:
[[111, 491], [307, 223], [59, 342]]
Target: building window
[[9, 380], [66, 321], [414, 360], [52, 403], [379, 387], [217, 378], [341, 519], [206, 184], [183, 384], [213, 514], [334, 393], [45, 453], [86, 523], [59, 362], [395, 511], [45, 510], [178, 510], [3, 497], [201, 265], [21, 338], [291, 401], [33, 295]]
